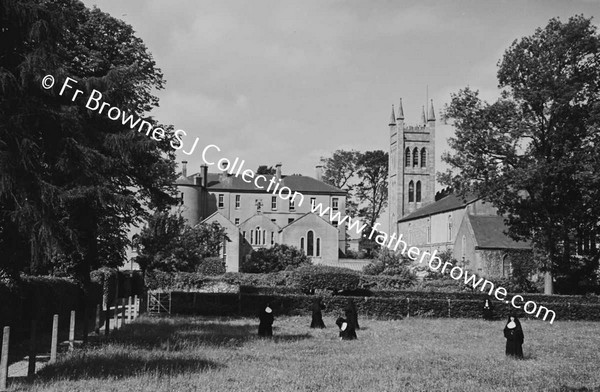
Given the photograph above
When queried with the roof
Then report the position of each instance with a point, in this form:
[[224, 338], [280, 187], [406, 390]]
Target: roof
[[448, 203], [489, 233], [296, 183]]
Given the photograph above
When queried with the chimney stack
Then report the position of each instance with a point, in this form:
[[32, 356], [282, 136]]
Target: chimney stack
[[204, 171], [198, 179], [184, 168], [319, 172], [278, 171]]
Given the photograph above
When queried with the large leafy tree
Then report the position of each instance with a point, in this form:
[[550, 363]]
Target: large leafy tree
[[372, 190], [340, 170], [73, 180], [534, 153]]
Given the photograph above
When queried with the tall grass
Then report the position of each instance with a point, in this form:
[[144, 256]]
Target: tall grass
[[416, 354]]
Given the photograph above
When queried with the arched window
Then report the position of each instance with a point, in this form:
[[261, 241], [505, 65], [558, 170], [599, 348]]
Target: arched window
[[302, 244], [415, 157], [318, 247], [449, 227], [423, 157], [257, 236], [411, 192], [418, 197], [251, 237], [407, 157], [264, 237], [309, 243], [506, 267]]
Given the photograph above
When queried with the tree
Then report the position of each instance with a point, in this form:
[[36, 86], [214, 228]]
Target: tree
[[534, 153], [264, 169], [340, 170], [167, 243], [372, 188]]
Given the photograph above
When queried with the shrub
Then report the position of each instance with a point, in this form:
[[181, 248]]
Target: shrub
[[314, 277], [383, 282], [211, 266], [277, 258], [391, 263]]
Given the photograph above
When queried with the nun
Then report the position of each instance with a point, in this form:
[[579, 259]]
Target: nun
[[514, 337], [265, 328], [347, 331], [317, 316], [488, 310], [351, 313]]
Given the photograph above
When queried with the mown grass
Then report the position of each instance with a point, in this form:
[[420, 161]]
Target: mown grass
[[416, 354]]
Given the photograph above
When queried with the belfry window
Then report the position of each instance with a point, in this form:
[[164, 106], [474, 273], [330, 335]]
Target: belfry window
[[411, 192], [407, 157], [415, 157], [418, 196], [423, 157]]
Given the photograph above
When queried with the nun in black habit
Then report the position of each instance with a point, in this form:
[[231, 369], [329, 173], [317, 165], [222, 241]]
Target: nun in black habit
[[265, 328], [514, 337], [317, 316], [347, 331], [351, 313], [488, 310]]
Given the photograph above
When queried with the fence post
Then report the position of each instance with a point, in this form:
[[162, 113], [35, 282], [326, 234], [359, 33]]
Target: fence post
[[136, 306], [97, 320], [129, 309], [54, 343], [72, 331], [4, 358], [123, 310], [32, 350], [116, 315]]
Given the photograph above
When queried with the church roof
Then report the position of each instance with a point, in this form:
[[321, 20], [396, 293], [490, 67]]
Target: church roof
[[489, 233], [448, 203], [296, 183]]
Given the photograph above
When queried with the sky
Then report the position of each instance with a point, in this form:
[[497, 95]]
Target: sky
[[290, 82]]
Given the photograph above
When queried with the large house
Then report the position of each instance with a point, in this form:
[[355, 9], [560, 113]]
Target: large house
[[469, 227], [254, 218]]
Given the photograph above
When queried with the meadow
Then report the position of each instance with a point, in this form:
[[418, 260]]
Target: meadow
[[414, 354]]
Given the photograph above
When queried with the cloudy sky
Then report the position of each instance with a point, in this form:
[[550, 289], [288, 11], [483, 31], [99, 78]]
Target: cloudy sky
[[282, 81]]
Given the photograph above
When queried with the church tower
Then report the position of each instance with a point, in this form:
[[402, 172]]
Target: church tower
[[411, 167]]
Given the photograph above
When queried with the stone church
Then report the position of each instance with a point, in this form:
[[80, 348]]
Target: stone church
[[469, 227], [254, 218]]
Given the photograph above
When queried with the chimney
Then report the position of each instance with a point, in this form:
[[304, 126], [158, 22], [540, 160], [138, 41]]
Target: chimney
[[204, 171], [278, 171], [184, 168], [198, 179], [319, 172]]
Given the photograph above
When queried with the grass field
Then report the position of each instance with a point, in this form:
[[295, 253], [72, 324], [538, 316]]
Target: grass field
[[416, 354]]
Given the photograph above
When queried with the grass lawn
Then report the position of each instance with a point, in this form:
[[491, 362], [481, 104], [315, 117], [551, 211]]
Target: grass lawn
[[416, 354]]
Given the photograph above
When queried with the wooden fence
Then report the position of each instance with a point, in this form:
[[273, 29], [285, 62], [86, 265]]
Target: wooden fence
[[106, 318]]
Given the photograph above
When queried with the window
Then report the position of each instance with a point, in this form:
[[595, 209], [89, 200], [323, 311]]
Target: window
[[292, 206], [274, 221], [251, 237], [407, 157], [334, 204], [506, 267], [411, 192], [257, 236], [272, 238], [274, 202], [449, 227], [415, 157], [221, 200], [290, 220], [309, 243], [423, 157], [418, 197], [237, 201], [237, 221], [264, 242], [302, 244], [335, 223], [318, 247], [313, 202]]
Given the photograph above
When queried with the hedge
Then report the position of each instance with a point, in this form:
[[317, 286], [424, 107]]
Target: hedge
[[318, 277]]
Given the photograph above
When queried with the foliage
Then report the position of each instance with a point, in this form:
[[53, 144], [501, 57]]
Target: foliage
[[372, 188], [279, 257], [533, 153], [211, 266], [319, 277], [264, 169], [391, 263], [74, 180], [166, 243]]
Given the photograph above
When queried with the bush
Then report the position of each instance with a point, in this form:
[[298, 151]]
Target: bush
[[314, 277], [391, 263], [211, 266], [277, 258], [383, 282]]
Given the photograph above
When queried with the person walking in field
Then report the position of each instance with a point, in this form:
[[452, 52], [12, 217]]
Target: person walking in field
[[317, 316], [351, 313], [347, 331], [265, 328], [488, 310], [514, 337]]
